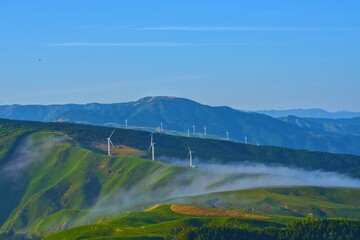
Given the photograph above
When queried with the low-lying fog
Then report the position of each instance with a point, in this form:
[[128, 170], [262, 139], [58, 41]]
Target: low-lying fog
[[210, 178]]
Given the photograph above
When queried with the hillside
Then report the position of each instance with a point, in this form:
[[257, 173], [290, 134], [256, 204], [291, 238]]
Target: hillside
[[60, 180], [157, 223], [179, 115], [54, 176], [346, 126], [163, 222], [318, 202], [170, 148]]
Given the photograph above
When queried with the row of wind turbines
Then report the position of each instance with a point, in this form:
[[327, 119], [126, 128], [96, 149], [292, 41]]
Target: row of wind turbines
[[160, 129], [151, 148], [227, 135]]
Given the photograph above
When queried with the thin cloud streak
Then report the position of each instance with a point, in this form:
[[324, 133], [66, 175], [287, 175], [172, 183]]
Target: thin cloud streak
[[139, 44], [241, 28]]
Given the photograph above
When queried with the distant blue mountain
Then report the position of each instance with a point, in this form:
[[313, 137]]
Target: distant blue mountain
[[345, 126], [179, 114], [310, 113]]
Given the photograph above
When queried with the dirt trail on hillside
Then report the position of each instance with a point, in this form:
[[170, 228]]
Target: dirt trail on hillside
[[213, 212]]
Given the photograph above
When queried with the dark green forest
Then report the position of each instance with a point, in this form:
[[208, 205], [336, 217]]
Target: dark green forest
[[319, 229]]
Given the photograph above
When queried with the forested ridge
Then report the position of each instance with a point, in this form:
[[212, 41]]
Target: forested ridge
[[207, 150], [319, 229]]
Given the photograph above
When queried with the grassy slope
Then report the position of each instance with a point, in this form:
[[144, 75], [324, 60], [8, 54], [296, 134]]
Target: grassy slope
[[9, 137], [157, 223], [297, 201], [67, 178], [292, 203]]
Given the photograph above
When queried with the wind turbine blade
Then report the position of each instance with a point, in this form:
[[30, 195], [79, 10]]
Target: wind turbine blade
[[111, 143], [112, 133]]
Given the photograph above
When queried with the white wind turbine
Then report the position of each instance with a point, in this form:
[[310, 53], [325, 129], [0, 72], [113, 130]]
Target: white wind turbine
[[152, 147], [110, 142], [190, 157]]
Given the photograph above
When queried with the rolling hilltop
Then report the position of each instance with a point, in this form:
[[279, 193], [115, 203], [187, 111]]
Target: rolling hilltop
[[179, 115], [55, 176]]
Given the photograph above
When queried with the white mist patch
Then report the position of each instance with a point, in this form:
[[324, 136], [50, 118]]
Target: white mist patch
[[211, 178], [245, 176], [138, 196], [30, 151]]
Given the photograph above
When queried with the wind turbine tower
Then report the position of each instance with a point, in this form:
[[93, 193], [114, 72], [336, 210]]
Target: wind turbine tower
[[227, 136], [161, 127], [190, 157], [193, 129], [110, 142], [126, 124], [205, 130], [245, 140], [152, 147], [188, 133]]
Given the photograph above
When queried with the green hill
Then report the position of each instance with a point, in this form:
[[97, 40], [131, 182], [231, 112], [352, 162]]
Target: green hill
[[162, 222], [63, 176], [54, 176], [158, 223]]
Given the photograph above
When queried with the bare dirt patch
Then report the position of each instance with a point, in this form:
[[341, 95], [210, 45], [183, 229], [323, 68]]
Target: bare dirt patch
[[152, 208], [213, 212], [119, 150]]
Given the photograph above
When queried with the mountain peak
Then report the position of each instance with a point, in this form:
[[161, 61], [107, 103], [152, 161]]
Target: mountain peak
[[153, 98]]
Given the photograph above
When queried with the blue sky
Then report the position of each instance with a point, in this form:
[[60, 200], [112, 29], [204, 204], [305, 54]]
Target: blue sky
[[270, 54]]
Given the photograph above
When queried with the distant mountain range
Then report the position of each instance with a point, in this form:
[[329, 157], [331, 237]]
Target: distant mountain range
[[345, 126], [310, 113], [178, 115]]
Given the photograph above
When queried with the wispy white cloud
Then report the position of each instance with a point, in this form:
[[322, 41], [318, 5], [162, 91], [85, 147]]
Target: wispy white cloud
[[137, 44], [241, 28], [86, 88]]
